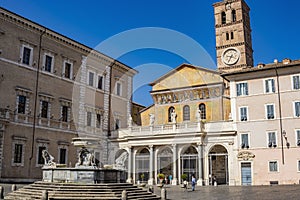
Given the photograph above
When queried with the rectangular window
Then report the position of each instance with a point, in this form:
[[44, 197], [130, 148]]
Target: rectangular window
[[26, 55], [296, 82], [243, 113], [270, 111], [298, 137], [100, 82], [273, 166], [242, 89], [270, 86], [298, 165], [89, 119], [48, 63], [119, 92], [18, 153], [272, 139], [245, 140], [117, 125], [297, 109], [64, 113], [21, 104], [40, 155], [91, 79], [44, 110], [62, 156], [98, 120], [68, 70]]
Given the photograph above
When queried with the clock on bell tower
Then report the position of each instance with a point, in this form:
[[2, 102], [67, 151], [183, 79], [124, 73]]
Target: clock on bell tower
[[233, 35]]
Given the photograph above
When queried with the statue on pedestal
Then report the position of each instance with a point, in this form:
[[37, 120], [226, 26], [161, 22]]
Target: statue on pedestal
[[85, 158], [151, 119], [49, 160], [173, 116], [120, 161], [198, 115]]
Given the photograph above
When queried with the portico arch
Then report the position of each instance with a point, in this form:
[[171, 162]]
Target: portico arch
[[218, 164], [142, 164], [165, 161], [189, 162]]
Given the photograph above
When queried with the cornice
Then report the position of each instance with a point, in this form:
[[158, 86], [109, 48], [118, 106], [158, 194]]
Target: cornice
[[64, 40], [230, 45], [229, 24]]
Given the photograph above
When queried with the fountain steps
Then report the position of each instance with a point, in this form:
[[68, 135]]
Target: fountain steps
[[77, 191]]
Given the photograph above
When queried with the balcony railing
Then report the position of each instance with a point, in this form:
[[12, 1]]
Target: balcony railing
[[8, 116], [220, 127]]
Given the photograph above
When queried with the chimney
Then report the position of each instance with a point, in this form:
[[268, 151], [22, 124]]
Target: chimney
[[286, 61]]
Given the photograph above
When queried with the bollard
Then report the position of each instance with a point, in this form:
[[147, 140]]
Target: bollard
[[124, 195], [13, 187], [151, 189], [44, 195], [1, 192], [163, 194]]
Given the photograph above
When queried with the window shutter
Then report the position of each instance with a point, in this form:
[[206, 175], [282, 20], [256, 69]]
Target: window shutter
[[273, 85], [267, 86]]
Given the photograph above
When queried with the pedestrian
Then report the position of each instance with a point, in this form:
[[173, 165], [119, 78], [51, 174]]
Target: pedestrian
[[170, 179], [185, 183], [193, 183]]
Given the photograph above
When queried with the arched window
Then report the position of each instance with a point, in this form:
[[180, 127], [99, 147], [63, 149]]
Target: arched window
[[202, 108], [170, 113], [232, 35], [233, 15], [227, 36], [223, 16], [186, 113]]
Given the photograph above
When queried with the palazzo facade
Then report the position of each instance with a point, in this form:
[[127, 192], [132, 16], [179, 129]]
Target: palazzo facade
[[54, 89]]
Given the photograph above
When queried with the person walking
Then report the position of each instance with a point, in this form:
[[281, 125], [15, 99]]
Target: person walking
[[193, 183]]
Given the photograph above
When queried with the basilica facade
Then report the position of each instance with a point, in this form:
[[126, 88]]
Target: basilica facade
[[238, 125]]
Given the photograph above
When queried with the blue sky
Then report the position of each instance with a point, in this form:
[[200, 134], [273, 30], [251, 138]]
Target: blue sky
[[275, 28]]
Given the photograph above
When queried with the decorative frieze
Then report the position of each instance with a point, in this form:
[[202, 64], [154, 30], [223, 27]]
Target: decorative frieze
[[187, 95]]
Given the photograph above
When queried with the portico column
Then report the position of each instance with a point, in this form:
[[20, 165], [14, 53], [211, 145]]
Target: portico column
[[200, 164], [151, 180], [129, 172], [174, 180]]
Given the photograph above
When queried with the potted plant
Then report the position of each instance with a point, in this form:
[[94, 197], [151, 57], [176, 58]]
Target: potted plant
[[183, 180], [183, 177], [161, 177], [142, 177]]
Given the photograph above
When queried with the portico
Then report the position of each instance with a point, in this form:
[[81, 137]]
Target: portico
[[183, 149]]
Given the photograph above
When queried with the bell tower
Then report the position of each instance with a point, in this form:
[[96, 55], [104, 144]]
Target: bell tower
[[233, 35]]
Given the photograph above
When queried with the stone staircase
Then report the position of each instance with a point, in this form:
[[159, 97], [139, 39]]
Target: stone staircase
[[76, 191]]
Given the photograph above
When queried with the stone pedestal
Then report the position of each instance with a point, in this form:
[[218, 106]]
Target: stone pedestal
[[83, 175], [200, 182]]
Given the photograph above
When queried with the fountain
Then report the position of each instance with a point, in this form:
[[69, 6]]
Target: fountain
[[86, 170]]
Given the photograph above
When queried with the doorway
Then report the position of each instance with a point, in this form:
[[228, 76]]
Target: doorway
[[218, 165], [246, 173]]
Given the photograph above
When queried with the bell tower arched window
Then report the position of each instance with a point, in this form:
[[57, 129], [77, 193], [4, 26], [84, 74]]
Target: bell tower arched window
[[223, 17], [233, 15], [202, 108], [186, 113], [170, 113]]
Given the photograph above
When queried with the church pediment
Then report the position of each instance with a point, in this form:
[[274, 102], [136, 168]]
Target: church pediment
[[186, 76]]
